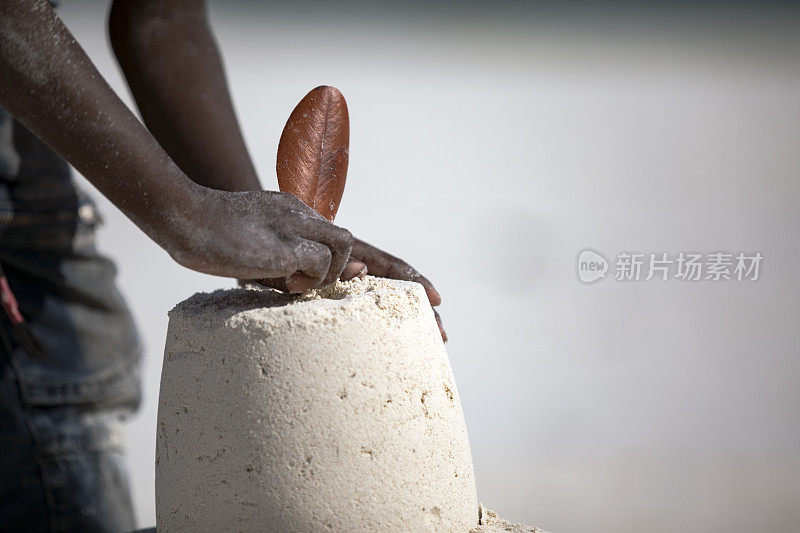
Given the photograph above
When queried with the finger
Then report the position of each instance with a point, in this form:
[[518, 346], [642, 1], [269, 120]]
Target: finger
[[441, 326], [313, 261], [433, 295], [299, 282], [293, 284], [352, 269], [399, 269], [338, 240], [310, 260], [386, 265]]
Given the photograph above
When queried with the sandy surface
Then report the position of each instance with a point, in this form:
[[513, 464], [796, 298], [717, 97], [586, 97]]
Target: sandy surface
[[490, 523], [304, 411]]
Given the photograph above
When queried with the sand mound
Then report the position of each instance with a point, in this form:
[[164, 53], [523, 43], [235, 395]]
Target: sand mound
[[490, 523], [336, 410]]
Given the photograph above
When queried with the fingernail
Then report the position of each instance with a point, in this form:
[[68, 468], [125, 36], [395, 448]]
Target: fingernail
[[298, 282], [353, 269], [292, 285]]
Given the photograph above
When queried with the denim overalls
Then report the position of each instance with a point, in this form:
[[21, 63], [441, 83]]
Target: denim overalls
[[61, 451]]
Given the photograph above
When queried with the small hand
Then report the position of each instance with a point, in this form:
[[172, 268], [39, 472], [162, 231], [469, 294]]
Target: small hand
[[382, 264], [258, 235]]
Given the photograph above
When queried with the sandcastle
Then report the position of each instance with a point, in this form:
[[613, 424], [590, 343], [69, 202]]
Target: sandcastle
[[336, 410], [332, 411]]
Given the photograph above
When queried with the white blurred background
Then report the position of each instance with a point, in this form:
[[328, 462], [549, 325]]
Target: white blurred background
[[490, 143]]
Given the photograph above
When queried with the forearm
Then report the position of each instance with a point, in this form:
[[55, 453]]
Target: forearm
[[168, 55], [49, 84]]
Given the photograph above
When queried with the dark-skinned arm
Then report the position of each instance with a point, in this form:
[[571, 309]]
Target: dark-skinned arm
[[168, 54], [49, 84], [169, 57]]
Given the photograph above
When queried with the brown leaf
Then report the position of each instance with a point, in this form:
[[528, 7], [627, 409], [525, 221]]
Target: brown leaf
[[313, 152]]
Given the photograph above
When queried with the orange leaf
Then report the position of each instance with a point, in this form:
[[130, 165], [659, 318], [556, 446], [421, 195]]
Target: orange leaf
[[313, 151]]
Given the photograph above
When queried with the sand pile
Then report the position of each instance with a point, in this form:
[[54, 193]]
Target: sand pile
[[490, 523], [336, 410]]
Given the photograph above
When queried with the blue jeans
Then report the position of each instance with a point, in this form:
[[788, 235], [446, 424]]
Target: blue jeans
[[61, 449]]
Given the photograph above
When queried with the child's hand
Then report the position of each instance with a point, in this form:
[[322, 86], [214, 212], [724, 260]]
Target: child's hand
[[256, 235]]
